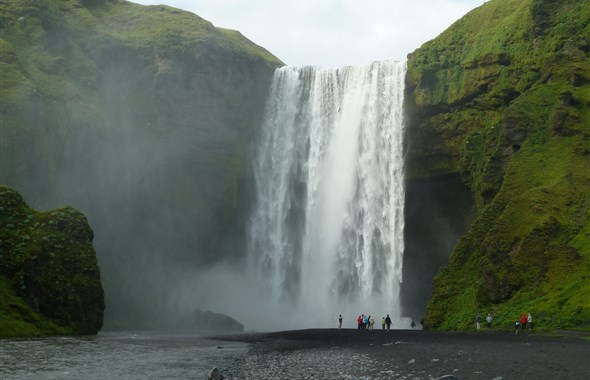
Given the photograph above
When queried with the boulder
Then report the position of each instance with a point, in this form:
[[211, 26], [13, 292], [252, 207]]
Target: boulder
[[215, 374], [209, 321], [49, 267]]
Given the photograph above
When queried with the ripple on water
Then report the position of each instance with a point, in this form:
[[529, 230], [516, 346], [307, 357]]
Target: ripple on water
[[121, 355]]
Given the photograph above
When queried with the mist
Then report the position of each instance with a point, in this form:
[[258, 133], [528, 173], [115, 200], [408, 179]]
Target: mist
[[325, 236], [194, 202], [173, 194], [152, 145]]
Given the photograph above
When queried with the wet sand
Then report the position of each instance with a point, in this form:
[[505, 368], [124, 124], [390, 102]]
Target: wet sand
[[410, 354]]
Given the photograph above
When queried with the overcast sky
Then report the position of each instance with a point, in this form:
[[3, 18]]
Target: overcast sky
[[331, 33]]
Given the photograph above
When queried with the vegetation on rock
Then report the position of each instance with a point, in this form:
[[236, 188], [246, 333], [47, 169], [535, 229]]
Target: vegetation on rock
[[49, 275], [140, 116], [503, 98]]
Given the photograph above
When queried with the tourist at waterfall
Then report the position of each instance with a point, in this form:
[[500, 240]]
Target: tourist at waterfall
[[489, 319], [365, 322], [371, 322], [523, 321], [388, 322], [478, 321], [516, 326], [383, 323], [340, 321], [529, 320], [412, 325], [360, 322]]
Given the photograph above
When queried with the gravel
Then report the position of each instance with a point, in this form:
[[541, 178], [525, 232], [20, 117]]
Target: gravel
[[409, 355]]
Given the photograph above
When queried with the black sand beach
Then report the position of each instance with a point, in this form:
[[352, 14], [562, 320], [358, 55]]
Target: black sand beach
[[410, 354]]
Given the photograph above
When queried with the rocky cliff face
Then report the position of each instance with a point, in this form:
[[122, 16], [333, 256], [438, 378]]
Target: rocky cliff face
[[49, 276], [501, 100], [142, 117]]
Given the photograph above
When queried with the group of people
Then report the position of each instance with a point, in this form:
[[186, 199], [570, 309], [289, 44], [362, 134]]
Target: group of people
[[365, 322], [489, 320], [522, 323], [525, 320]]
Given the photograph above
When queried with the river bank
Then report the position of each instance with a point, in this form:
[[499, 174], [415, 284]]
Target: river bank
[[411, 354]]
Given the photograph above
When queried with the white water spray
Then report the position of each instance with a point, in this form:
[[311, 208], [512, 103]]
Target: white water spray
[[326, 235]]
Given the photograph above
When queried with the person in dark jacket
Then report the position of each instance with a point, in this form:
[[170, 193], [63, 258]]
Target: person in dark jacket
[[388, 322]]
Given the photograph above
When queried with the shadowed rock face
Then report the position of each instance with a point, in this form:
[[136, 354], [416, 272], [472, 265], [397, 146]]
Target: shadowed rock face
[[500, 99], [50, 263], [438, 212]]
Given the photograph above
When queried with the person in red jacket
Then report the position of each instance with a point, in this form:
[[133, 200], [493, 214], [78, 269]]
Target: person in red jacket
[[523, 321], [360, 322]]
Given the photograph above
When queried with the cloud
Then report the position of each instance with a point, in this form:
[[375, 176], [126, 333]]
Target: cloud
[[332, 33]]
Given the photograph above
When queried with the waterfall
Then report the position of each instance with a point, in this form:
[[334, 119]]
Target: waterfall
[[326, 232]]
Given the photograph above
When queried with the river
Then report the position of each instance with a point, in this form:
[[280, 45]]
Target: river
[[118, 355]]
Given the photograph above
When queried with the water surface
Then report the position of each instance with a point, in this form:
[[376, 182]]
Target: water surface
[[118, 355]]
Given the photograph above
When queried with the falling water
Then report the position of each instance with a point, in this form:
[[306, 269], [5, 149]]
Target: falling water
[[326, 235]]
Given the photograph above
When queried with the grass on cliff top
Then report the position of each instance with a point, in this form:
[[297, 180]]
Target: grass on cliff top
[[513, 40], [159, 27], [162, 27], [507, 27], [480, 36], [237, 39]]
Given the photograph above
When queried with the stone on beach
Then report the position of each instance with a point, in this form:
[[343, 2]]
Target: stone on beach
[[214, 374]]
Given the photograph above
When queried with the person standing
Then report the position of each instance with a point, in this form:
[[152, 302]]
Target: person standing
[[478, 321], [360, 322], [523, 321], [383, 323], [489, 319], [340, 321], [388, 322], [529, 320], [371, 322], [412, 324]]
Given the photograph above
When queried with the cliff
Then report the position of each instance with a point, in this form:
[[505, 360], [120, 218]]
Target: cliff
[[142, 117], [49, 276], [500, 104]]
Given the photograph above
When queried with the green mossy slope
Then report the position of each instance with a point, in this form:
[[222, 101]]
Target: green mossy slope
[[76, 70], [142, 117], [49, 276], [503, 98]]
